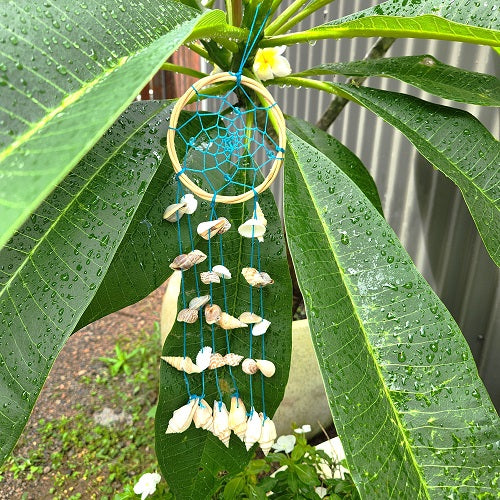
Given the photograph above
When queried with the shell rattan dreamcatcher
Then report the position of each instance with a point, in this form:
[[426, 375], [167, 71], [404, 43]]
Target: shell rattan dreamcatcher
[[241, 133]]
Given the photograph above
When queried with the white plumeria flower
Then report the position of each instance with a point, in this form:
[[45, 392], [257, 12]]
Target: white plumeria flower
[[320, 491], [285, 443], [269, 63], [147, 484], [302, 430]]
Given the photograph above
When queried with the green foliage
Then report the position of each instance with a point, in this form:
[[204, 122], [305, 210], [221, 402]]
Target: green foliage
[[121, 362]]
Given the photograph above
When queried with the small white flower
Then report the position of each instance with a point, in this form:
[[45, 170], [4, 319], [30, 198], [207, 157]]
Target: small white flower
[[302, 430], [147, 484], [203, 357], [285, 443], [320, 491], [269, 63]]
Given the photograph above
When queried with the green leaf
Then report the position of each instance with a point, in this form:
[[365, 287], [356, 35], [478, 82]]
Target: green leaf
[[455, 142], [67, 70], [193, 461], [339, 154], [234, 487], [414, 417], [461, 20], [51, 268], [424, 72]]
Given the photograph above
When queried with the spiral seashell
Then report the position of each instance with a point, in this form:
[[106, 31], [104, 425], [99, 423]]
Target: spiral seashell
[[221, 423], [259, 215], [232, 359], [187, 261], [198, 302], [203, 416], [212, 313], [182, 364], [248, 318], [267, 436], [209, 277], [249, 366], [266, 367], [175, 211], [218, 226], [191, 203], [216, 361], [222, 271], [203, 358], [238, 417], [260, 328], [187, 315], [182, 417], [228, 322], [256, 278], [253, 430], [252, 228]]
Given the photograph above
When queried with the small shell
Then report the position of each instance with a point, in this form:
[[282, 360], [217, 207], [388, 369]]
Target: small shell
[[260, 328], [267, 436], [182, 417], [232, 359], [203, 416], [209, 277], [249, 366], [218, 226], [169, 304], [252, 227], [191, 203], [198, 302], [266, 367], [255, 278], [259, 213], [182, 364], [238, 417], [254, 429], [221, 423], [216, 361], [203, 358], [248, 318], [188, 315], [187, 261], [174, 212], [222, 271], [212, 313], [229, 322]]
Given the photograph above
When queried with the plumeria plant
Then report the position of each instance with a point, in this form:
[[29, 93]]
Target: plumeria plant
[[85, 178]]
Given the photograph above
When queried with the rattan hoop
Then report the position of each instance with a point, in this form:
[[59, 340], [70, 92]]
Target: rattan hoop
[[279, 125]]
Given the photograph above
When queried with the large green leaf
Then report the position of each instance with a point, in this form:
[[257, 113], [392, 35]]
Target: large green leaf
[[424, 72], [455, 142], [343, 157], [193, 461], [460, 20], [51, 268], [67, 70], [414, 417]]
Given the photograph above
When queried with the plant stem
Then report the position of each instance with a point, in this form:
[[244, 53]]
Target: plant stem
[[236, 12], [284, 17], [338, 103], [198, 49], [308, 83], [183, 70], [302, 15]]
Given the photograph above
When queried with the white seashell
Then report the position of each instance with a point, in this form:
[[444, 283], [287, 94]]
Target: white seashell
[[216, 361], [254, 429], [203, 358], [228, 322], [191, 203], [188, 315], [174, 212], [203, 416], [267, 436], [259, 215], [232, 359], [249, 366], [169, 304], [248, 317], [252, 227], [238, 417], [212, 313], [266, 367], [182, 417], [218, 226], [209, 277], [221, 423], [198, 302], [182, 364], [256, 278], [187, 261], [260, 328], [222, 271]]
